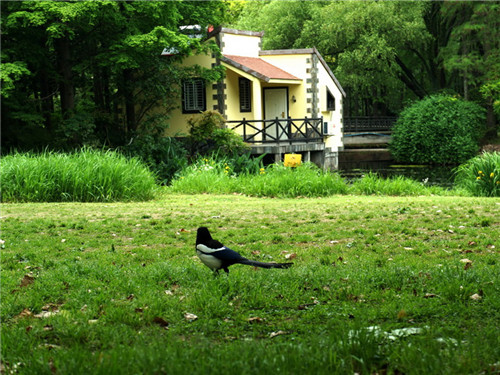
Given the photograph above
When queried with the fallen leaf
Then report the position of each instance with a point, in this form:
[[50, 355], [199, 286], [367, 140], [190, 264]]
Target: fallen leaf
[[53, 368], [277, 333], [169, 293], [49, 346], [401, 314], [50, 307], [46, 314], [430, 295], [27, 280], [291, 256], [467, 263], [161, 322], [255, 319], [190, 317], [24, 314], [472, 243], [475, 297], [256, 252]]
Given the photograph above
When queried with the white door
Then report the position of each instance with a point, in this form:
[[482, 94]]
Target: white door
[[276, 105]]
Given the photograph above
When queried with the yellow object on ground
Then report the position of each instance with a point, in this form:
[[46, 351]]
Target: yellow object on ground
[[293, 160]]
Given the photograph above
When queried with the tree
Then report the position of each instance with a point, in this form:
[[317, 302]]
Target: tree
[[386, 53], [83, 72], [473, 53]]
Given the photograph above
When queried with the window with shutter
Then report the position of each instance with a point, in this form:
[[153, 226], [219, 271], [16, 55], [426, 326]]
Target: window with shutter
[[245, 95], [193, 96]]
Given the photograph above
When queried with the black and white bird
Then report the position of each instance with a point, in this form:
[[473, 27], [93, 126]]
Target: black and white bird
[[216, 256]]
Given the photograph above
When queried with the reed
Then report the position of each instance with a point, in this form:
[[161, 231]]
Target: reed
[[86, 176]]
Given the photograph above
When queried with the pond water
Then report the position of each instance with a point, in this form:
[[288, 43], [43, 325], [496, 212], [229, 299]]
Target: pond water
[[432, 175]]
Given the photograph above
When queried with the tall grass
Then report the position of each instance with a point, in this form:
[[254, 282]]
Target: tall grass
[[85, 176], [373, 184], [304, 181], [307, 180], [480, 176]]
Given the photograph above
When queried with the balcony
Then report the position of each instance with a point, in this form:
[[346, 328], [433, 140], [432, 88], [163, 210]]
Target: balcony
[[279, 131]]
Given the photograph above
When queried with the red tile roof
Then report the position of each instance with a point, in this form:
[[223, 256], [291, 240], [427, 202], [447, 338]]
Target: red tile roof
[[258, 68]]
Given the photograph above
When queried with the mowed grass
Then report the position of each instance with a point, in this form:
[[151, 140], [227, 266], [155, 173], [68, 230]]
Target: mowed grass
[[379, 285]]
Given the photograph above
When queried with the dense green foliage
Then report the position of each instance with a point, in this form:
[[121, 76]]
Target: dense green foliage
[[90, 72], [439, 129], [84, 176], [480, 176], [165, 156], [386, 52], [207, 135], [383, 285]]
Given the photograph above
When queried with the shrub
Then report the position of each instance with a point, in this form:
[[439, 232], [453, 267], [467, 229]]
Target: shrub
[[208, 135], [86, 176], [439, 129], [480, 176], [165, 156]]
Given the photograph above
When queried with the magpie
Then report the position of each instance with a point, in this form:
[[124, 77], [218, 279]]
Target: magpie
[[216, 256]]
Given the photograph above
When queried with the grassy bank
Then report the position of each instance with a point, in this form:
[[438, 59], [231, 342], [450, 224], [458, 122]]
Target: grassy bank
[[86, 176], [307, 180], [379, 284]]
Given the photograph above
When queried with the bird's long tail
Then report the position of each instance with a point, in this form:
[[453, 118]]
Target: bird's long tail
[[263, 264]]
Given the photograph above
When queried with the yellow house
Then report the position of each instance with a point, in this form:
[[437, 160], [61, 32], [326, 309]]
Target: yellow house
[[279, 101]]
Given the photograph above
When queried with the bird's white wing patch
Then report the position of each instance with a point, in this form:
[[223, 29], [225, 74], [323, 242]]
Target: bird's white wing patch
[[207, 250]]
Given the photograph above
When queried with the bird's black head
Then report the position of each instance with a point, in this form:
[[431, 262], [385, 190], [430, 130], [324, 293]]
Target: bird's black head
[[203, 235]]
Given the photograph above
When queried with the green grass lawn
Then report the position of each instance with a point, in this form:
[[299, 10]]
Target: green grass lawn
[[384, 285]]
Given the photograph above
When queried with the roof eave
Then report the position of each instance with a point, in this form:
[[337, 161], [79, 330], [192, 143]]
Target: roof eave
[[245, 69]]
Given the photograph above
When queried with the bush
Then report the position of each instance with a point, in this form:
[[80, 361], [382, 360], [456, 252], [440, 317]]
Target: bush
[[85, 176], [165, 156], [208, 135], [439, 129], [480, 176]]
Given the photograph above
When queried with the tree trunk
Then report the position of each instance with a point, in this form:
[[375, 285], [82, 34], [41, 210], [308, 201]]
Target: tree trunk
[[64, 65], [491, 123], [129, 100], [46, 98]]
